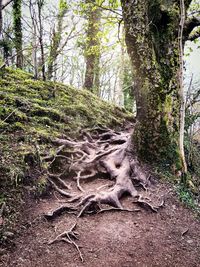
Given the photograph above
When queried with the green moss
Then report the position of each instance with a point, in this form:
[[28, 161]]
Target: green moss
[[35, 112]]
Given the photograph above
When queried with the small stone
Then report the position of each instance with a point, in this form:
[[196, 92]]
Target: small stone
[[8, 234], [190, 241]]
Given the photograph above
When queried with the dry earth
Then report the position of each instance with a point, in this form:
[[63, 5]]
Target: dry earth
[[168, 238]]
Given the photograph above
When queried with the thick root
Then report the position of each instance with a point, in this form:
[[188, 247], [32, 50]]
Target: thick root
[[105, 152]]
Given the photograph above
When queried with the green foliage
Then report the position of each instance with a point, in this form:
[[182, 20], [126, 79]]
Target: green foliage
[[41, 186], [63, 5], [187, 192], [190, 119], [114, 4], [187, 197], [192, 153], [7, 46], [128, 87]]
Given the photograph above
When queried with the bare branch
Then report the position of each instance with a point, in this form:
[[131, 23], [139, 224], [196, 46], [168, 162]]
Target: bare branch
[[6, 4], [189, 26]]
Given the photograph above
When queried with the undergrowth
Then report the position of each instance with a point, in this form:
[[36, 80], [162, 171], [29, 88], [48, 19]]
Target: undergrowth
[[187, 197], [188, 192]]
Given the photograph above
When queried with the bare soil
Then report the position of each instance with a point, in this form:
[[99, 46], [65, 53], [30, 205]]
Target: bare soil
[[168, 238], [117, 238]]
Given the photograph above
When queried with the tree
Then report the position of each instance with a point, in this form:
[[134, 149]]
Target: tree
[[2, 6], [56, 38], [92, 48], [153, 36], [6, 44], [129, 101], [1, 18], [17, 25], [40, 4]]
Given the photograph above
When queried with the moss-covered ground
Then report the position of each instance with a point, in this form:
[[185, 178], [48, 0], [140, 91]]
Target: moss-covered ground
[[32, 114]]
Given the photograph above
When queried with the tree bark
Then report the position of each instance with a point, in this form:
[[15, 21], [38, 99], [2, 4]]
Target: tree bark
[[18, 32], [40, 4], [1, 18], [152, 40], [34, 38], [92, 49], [56, 38], [118, 91]]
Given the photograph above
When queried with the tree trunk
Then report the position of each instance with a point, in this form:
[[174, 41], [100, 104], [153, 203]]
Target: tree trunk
[[92, 50], [34, 38], [152, 29], [40, 4], [56, 38], [1, 18], [18, 32], [118, 91]]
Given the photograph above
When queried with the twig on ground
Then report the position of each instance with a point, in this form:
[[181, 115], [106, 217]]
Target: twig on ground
[[78, 182], [68, 237]]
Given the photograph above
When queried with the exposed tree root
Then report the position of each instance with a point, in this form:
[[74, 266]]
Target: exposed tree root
[[103, 154], [69, 237], [57, 212], [59, 180], [61, 191], [117, 209]]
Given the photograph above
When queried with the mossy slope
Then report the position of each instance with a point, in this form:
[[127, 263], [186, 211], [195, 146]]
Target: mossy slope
[[47, 108], [32, 113]]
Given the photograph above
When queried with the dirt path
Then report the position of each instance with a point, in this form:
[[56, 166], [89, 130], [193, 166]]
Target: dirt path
[[170, 237], [114, 239]]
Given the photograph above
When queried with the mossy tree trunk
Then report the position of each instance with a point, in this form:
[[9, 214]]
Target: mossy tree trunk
[[152, 30], [17, 24], [56, 39], [92, 48]]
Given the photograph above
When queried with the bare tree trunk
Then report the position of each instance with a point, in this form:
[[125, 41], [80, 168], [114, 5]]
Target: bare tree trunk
[[119, 96], [2, 6], [40, 4], [34, 39], [182, 110]]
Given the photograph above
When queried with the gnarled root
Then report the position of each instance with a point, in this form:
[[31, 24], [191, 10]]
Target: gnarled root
[[105, 152], [58, 211]]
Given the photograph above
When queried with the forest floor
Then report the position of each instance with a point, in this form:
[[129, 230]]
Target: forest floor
[[169, 237]]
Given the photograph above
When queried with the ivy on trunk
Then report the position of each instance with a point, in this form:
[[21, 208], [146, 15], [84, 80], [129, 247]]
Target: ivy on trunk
[[152, 41], [17, 24]]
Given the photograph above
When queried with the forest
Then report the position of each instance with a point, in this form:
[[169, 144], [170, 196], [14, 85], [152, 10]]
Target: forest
[[99, 133]]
